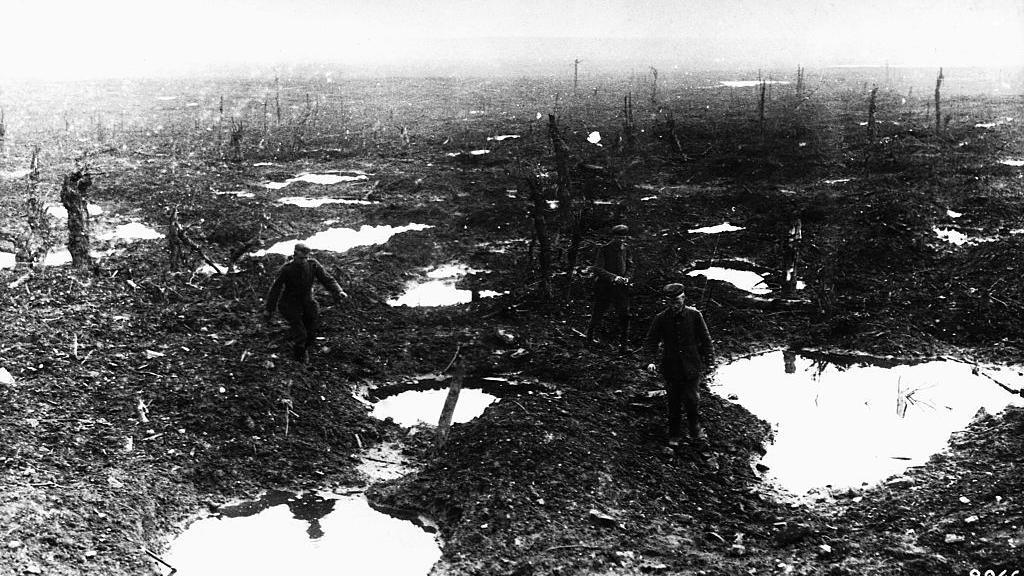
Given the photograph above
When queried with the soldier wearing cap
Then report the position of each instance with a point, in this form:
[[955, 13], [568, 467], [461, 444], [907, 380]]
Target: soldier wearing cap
[[687, 352], [292, 294], [612, 268]]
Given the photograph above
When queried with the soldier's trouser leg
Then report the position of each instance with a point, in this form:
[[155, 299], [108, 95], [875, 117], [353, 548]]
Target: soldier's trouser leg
[[297, 326], [311, 323], [691, 402], [674, 396], [621, 304]]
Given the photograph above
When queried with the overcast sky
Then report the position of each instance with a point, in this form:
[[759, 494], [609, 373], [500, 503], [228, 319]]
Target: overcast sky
[[62, 38]]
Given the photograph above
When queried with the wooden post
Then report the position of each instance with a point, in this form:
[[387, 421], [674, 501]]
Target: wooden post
[[73, 197], [938, 99], [444, 423], [562, 186], [575, 75]]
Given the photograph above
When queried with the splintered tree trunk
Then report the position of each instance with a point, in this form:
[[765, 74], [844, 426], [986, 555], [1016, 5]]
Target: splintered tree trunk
[[871, 113], [654, 85], [73, 197], [938, 102], [579, 222], [541, 232], [673, 138], [3, 132], [562, 191], [628, 135], [760, 105], [791, 255], [174, 241]]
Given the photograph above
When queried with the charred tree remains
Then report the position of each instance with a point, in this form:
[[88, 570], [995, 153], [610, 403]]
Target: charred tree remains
[[73, 192]]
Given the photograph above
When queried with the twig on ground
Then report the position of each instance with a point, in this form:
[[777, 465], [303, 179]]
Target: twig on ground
[[160, 560]]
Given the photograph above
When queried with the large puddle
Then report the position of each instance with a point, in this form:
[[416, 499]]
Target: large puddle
[[321, 179], [724, 227], [439, 288], [745, 280], [307, 202], [424, 406], [343, 239], [843, 426], [311, 534]]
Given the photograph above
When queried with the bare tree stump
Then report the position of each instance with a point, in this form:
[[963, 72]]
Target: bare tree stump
[[73, 197]]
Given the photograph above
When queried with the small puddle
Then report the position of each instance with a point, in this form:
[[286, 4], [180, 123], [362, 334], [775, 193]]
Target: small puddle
[[62, 256], [726, 227], [130, 232], [14, 174], [745, 280], [838, 180], [1012, 162], [7, 260], [470, 153], [439, 288], [61, 213], [235, 193], [503, 137], [307, 202], [957, 238], [424, 406], [845, 426], [594, 138], [342, 239], [953, 214], [321, 179], [310, 534]]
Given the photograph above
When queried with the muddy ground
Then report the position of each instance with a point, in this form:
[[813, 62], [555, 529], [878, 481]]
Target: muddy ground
[[569, 473]]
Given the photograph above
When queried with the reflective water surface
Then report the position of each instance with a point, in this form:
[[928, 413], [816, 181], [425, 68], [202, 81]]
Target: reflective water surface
[[844, 426], [424, 406], [439, 288], [743, 279], [310, 534], [342, 239], [724, 227]]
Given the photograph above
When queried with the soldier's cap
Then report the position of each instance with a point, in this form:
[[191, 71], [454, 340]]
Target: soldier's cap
[[620, 230], [674, 289], [301, 249]]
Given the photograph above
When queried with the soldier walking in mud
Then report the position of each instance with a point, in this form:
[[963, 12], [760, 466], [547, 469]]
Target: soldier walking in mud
[[292, 294], [687, 353], [612, 268]]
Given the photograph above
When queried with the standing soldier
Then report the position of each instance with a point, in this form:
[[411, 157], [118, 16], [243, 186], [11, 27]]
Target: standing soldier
[[292, 294], [687, 352], [612, 268]]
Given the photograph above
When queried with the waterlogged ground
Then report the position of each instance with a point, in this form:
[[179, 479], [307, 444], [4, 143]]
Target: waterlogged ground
[[841, 426], [135, 397]]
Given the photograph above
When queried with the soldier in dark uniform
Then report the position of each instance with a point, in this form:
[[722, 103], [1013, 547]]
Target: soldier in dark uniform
[[612, 268], [687, 352], [292, 294]]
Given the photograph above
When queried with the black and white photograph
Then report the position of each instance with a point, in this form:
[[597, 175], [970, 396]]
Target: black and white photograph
[[512, 288]]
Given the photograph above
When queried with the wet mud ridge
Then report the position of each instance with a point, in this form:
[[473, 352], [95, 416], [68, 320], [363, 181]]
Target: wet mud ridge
[[143, 401]]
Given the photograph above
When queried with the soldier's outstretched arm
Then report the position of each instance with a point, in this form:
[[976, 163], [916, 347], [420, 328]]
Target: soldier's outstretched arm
[[328, 281], [274, 294]]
